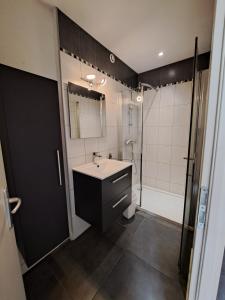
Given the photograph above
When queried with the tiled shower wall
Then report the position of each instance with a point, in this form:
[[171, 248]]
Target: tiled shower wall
[[80, 151], [166, 133]]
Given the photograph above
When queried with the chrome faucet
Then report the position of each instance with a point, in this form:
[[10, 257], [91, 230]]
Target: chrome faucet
[[95, 154]]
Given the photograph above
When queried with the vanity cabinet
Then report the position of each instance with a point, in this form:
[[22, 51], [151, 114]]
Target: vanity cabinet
[[101, 202]]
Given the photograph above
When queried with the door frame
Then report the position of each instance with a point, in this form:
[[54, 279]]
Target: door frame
[[209, 242]]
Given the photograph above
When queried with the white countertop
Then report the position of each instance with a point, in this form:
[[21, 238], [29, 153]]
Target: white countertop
[[103, 168]]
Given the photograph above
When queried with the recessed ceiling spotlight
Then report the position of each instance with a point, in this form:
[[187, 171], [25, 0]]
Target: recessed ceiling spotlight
[[160, 53], [90, 76]]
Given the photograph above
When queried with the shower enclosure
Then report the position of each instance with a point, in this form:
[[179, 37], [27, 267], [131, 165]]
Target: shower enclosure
[[156, 139], [164, 130]]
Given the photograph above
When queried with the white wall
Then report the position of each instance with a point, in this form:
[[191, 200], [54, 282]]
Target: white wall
[[166, 132], [28, 37], [80, 151]]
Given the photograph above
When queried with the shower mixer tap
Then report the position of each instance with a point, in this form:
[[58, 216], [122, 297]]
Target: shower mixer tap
[[130, 141]]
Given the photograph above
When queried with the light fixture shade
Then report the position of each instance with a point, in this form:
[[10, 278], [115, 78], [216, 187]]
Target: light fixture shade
[[160, 53], [103, 81], [91, 76]]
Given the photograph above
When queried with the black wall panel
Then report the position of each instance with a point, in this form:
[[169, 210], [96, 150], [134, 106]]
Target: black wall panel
[[176, 72], [77, 41], [67, 31]]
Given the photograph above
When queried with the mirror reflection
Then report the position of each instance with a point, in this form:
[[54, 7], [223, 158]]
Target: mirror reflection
[[86, 112]]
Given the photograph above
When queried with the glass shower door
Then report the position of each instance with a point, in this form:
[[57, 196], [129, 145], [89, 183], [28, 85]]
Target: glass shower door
[[194, 158]]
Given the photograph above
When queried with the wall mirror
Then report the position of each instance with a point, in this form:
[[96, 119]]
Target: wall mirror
[[87, 112]]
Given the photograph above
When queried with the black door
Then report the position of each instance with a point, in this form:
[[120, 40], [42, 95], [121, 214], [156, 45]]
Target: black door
[[194, 160], [32, 151]]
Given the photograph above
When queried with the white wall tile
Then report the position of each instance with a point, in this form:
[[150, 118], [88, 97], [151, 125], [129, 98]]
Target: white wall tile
[[151, 117], [151, 135], [145, 180], [180, 136], [151, 169], [163, 185], [181, 115], [165, 135], [102, 144], [152, 152], [177, 188], [178, 154], [164, 154], [75, 147], [91, 145], [167, 96], [152, 182], [88, 158], [145, 168], [166, 116], [183, 93], [163, 172], [178, 174]]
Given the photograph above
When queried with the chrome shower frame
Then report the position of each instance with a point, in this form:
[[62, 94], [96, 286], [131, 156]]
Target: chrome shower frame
[[141, 87]]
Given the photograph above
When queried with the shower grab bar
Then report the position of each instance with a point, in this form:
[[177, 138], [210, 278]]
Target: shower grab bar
[[119, 178], [123, 198]]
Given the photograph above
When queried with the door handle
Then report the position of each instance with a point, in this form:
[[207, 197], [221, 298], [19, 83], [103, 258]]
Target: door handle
[[189, 158], [18, 204], [59, 167]]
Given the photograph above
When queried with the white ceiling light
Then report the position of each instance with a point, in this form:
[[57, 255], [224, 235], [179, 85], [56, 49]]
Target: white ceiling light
[[139, 98], [90, 76], [160, 53]]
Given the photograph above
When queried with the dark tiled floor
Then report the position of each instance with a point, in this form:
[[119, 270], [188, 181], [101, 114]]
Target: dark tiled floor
[[133, 279], [134, 261]]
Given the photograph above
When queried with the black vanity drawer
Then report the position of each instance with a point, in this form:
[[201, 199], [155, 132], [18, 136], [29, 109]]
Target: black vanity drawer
[[116, 184], [112, 210]]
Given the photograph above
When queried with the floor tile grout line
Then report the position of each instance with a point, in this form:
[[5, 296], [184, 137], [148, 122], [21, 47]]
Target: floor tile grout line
[[153, 267], [108, 239], [103, 281], [64, 289], [60, 283], [161, 221]]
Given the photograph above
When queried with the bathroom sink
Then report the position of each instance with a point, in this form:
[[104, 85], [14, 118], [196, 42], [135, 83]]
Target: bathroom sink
[[103, 168]]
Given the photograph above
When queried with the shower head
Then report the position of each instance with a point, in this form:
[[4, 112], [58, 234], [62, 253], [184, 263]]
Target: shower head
[[141, 88], [146, 85], [129, 141]]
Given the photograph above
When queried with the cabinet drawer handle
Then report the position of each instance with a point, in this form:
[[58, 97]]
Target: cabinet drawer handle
[[119, 178], [117, 203]]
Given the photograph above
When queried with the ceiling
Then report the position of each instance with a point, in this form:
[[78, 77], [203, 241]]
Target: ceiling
[[137, 30]]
